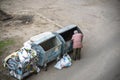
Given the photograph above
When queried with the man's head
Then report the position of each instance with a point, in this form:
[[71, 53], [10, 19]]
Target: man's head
[[75, 31]]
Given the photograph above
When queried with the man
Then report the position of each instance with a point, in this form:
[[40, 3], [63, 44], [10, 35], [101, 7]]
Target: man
[[77, 44]]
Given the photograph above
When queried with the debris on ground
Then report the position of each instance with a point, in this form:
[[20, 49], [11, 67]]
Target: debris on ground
[[4, 16], [24, 19], [64, 62]]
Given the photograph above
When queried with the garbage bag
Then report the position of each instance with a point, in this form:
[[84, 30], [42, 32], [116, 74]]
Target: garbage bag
[[58, 65], [12, 64], [64, 62], [23, 56]]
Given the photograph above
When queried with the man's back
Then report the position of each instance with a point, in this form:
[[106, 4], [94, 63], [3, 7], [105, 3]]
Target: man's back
[[77, 38]]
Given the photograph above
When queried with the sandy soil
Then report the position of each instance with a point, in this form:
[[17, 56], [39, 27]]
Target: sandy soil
[[99, 21], [21, 30]]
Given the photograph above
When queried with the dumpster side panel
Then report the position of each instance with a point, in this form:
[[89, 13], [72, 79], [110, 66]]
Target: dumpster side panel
[[53, 53], [62, 43], [40, 53]]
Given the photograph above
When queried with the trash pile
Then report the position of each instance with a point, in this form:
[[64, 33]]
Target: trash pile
[[63, 62], [22, 62]]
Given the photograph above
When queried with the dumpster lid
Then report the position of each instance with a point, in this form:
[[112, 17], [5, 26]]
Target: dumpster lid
[[41, 37], [66, 28]]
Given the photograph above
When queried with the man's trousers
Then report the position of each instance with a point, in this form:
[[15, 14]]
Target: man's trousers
[[76, 53]]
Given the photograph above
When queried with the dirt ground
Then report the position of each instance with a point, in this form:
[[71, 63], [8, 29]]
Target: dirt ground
[[98, 19], [23, 26]]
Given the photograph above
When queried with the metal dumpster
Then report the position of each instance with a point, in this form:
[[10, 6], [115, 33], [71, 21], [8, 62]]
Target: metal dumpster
[[48, 47], [66, 33]]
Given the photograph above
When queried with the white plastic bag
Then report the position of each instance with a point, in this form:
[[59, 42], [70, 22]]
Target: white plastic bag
[[64, 62], [67, 61], [58, 65], [23, 55]]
